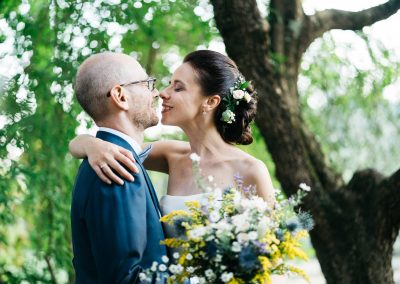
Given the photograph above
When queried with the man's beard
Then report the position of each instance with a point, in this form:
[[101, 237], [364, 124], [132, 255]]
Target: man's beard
[[146, 120]]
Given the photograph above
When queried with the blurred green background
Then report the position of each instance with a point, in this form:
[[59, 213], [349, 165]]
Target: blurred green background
[[349, 87]]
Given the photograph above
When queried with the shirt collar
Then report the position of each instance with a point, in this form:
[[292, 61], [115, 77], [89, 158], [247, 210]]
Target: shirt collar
[[135, 145]]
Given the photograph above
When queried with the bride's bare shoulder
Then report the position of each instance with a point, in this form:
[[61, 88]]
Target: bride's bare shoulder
[[255, 172], [250, 165]]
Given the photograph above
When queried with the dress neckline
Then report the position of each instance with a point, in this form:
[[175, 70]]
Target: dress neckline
[[183, 196]]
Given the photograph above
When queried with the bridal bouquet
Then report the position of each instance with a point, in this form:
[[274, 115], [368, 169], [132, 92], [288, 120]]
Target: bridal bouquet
[[234, 238]]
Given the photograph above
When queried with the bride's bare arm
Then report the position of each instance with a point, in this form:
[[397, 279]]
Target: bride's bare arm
[[104, 157], [259, 176], [159, 157]]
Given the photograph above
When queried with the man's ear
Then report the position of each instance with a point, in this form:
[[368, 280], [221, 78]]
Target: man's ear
[[118, 97], [211, 103]]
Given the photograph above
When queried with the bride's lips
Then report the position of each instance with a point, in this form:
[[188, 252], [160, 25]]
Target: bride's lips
[[166, 108]]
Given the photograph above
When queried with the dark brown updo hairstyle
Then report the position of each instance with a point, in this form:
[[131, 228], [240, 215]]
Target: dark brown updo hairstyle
[[216, 74]]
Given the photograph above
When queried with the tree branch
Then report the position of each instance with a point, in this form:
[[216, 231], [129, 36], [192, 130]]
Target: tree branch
[[327, 20]]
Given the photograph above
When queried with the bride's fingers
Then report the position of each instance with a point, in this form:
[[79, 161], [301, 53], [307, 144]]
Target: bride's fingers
[[127, 162], [100, 174], [127, 153], [109, 173], [120, 170]]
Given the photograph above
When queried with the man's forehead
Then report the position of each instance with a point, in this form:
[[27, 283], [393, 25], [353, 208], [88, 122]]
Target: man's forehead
[[135, 70]]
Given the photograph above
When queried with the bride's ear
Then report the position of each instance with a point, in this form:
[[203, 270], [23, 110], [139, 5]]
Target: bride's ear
[[118, 97], [212, 102]]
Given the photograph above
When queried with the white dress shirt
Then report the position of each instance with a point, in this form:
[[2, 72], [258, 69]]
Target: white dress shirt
[[135, 145]]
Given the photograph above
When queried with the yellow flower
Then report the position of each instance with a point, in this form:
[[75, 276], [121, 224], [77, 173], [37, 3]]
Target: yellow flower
[[236, 281], [265, 263], [193, 204], [176, 213], [262, 278], [174, 243], [291, 246], [299, 272]]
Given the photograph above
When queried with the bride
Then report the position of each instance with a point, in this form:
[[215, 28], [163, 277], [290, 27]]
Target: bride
[[205, 99]]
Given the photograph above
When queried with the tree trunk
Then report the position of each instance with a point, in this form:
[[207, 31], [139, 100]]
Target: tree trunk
[[357, 223]]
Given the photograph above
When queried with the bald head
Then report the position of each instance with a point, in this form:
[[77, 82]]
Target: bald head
[[98, 74]]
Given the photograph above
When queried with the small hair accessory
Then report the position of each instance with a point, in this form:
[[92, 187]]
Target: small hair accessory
[[236, 94]]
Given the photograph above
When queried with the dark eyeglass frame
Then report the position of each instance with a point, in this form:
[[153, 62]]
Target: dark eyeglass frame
[[151, 84]]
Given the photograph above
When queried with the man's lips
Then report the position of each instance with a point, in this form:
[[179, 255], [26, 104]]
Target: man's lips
[[166, 108]]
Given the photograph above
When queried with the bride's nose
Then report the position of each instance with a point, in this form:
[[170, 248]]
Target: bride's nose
[[164, 94]]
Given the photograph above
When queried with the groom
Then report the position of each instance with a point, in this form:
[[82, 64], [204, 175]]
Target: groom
[[116, 230]]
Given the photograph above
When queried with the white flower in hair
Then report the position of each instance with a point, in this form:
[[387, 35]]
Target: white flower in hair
[[247, 97], [238, 94], [228, 116]]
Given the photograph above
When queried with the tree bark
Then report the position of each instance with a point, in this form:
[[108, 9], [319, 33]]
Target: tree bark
[[356, 223]]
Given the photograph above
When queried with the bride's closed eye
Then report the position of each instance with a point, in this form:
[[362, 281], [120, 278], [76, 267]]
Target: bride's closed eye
[[177, 87]]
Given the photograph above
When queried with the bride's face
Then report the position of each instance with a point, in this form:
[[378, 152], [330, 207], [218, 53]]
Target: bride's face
[[182, 99]]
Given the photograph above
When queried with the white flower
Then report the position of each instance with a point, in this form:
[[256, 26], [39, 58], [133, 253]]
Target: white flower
[[236, 247], [142, 276], [218, 258], [210, 178], [202, 280], [190, 269], [304, 187], [189, 256], [223, 267], [154, 266], [162, 267], [245, 204], [228, 116], [253, 235], [165, 259], [214, 216], [175, 255], [237, 199], [194, 157], [262, 227], [238, 94], [241, 223], [209, 273], [222, 225], [210, 238], [173, 269], [176, 268], [197, 233], [243, 237], [226, 277], [247, 97], [260, 204]]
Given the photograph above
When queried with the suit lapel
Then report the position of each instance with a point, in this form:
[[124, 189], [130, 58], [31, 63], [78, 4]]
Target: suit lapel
[[121, 142], [149, 184]]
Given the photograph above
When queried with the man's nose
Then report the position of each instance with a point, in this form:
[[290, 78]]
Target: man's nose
[[155, 92]]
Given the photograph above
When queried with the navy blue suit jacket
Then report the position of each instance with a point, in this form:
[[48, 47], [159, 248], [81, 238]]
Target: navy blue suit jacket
[[116, 230]]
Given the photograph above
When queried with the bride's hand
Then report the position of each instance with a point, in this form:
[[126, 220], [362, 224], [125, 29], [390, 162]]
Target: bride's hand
[[106, 158]]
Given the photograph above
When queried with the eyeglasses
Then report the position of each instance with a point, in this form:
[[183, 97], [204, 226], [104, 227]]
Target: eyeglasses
[[151, 84]]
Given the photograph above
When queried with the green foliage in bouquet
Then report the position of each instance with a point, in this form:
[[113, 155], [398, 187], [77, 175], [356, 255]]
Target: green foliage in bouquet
[[235, 237]]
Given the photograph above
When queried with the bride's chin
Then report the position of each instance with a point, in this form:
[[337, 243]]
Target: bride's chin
[[165, 121]]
